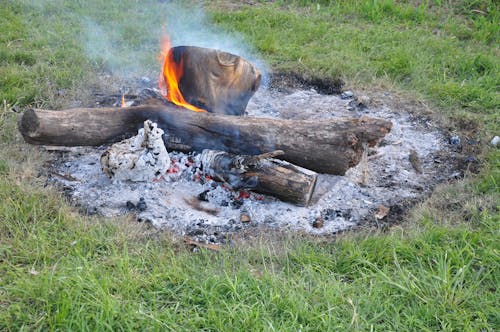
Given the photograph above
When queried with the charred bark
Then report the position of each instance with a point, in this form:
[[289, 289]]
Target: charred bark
[[216, 81], [325, 146], [262, 174]]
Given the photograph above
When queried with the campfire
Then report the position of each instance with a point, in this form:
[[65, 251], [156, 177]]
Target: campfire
[[194, 159]]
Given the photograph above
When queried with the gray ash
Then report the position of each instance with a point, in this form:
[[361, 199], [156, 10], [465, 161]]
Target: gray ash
[[189, 203]]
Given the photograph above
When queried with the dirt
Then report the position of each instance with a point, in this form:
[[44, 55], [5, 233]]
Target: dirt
[[283, 81], [188, 204]]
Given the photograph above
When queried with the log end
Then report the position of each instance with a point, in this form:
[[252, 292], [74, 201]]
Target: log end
[[308, 195], [28, 124], [375, 130]]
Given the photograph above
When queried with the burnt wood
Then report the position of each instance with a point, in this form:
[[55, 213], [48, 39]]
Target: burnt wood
[[262, 174], [216, 81], [325, 146]]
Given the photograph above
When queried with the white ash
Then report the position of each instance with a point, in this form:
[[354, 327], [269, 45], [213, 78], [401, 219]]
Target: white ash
[[140, 158], [385, 177], [495, 140]]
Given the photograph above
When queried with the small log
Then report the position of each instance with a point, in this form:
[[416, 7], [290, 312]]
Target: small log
[[262, 174], [216, 81], [325, 146]]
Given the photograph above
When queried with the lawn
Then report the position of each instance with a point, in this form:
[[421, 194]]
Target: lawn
[[438, 269]]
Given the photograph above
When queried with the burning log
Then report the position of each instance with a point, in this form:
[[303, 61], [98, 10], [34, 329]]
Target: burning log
[[325, 146], [262, 174], [206, 79]]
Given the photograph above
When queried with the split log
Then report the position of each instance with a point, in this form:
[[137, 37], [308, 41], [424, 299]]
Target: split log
[[262, 174], [325, 146], [216, 81]]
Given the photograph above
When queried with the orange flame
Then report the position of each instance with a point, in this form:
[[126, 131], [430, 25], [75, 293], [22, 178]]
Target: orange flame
[[124, 104], [170, 77]]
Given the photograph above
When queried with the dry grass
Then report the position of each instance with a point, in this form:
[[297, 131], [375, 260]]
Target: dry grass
[[456, 203]]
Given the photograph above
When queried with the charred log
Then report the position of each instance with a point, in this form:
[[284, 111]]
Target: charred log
[[216, 81], [326, 146], [262, 174]]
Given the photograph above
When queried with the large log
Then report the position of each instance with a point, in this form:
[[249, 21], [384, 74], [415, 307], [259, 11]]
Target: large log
[[325, 146], [216, 81], [263, 174]]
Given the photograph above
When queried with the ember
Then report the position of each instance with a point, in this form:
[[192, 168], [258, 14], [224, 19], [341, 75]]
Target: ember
[[243, 194], [173, 169]]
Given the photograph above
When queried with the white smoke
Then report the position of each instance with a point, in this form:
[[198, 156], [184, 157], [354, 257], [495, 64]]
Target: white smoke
[[123, 37]]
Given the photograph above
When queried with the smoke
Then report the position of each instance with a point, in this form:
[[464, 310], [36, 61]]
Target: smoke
[[190, 26], [123, 37]]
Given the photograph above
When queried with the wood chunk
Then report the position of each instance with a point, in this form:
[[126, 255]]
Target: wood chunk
[[196, 204], [318, 222], [140, 158], [245, 217], [210, 246], [288, 182], [415, 161], [382, 212], [216, 81]]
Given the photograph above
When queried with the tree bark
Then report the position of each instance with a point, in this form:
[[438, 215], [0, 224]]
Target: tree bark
[[262, 174], [325, 146]]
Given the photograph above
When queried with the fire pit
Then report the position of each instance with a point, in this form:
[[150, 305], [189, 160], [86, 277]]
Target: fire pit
[[341, 162]]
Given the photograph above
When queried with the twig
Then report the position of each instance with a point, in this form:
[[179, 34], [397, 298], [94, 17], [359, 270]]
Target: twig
[[196, 204], [66, 177], [209, 246]]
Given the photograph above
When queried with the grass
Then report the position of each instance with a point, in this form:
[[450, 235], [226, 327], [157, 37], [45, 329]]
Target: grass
[[450, 60], [93, 278], [439, 270], [97, 276]]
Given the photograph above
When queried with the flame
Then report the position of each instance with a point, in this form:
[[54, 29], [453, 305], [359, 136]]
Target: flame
[[124, 104], [170, 77]]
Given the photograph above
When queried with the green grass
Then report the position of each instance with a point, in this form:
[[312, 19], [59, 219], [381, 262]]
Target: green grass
[[419, 48], [37, 58], [437, 271], [94, 278], [59, 273]]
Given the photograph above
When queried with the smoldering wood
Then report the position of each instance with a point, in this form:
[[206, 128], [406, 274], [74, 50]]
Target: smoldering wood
[[262, 174], [216, 81], [325, 146]]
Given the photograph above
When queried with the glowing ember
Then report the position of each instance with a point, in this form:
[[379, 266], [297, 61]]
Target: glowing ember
[[243, 194], [170, 77]]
